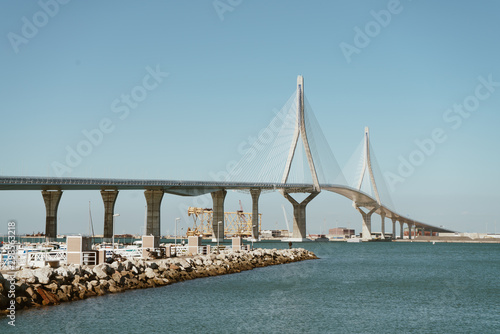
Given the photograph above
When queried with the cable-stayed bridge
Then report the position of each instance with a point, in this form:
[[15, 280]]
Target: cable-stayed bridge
[[293, 157]]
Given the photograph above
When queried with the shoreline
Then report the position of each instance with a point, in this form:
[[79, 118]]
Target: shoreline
[[46, 286]]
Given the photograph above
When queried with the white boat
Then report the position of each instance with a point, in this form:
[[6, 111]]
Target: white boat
[[354, 239]]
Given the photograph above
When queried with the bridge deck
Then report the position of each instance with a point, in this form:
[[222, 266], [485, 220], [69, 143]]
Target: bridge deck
[[193, 188]]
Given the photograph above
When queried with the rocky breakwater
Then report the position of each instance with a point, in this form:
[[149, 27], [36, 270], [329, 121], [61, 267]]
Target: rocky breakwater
[[47, 286]]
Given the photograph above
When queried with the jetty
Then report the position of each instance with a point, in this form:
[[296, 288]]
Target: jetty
[[52, 286]]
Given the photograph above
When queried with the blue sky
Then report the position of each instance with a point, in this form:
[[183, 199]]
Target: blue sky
[[231, 65]]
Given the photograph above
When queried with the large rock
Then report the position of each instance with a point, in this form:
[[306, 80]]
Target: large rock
[[48, 297], [74, 269], [153, 265], [52, 287], [103, 270], [64, 272], [183, 263], [118, 266], [27, 275], [117, 278], [150, 273], [128, 265], [44, 274]]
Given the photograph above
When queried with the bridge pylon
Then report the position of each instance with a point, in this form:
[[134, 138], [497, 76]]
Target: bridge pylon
[[299, 209], [367, 167], [372, 207], [300, 131]]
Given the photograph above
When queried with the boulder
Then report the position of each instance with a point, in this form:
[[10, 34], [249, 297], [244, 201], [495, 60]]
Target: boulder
[[48, 297], [27, 275], [44, 274], [62, 296], [128, 265], [103, 270], [114, 289], [76, 280], [64, 272], [52, 287], [74, 269], [67, 289], [150, 273], [118, 266], [117, 278], [153, 265]]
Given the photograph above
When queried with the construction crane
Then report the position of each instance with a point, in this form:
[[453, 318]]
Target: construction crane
[[236, 223], [242, 221]]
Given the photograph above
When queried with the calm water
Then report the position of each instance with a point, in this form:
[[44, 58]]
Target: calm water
[[356, 288]]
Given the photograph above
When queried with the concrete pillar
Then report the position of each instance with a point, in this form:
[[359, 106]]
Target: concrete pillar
[[237, 242], [149, 244], [299, 215], [194, 242], [393, 228], [255, 212], [382, 218], [109, 199], [51, 199], [401, 230], [367, 223], [76, 246], [218, 215], [409, 231], [153, 200]]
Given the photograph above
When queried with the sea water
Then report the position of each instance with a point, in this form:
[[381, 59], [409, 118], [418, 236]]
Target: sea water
[[353, 288]]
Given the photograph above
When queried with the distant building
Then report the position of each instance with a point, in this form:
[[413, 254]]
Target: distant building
[[269, 234], [340, 233]]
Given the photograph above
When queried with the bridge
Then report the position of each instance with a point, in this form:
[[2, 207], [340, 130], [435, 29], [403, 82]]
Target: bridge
[[278, 167]]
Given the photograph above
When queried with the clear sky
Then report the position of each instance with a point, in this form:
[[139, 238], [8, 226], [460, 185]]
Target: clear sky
[[176, 87]]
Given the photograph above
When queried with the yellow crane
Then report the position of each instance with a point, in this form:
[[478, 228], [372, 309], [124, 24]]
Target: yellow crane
[[236, 223]]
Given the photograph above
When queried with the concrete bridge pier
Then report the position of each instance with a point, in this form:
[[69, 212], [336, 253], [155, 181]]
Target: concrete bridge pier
[[409, 230], [153, 201], [382, 229], [109, 200], [367, 222], [218, 215], [401, 230], [393, 228], [51, 199], [299, 216], [255, 212]]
